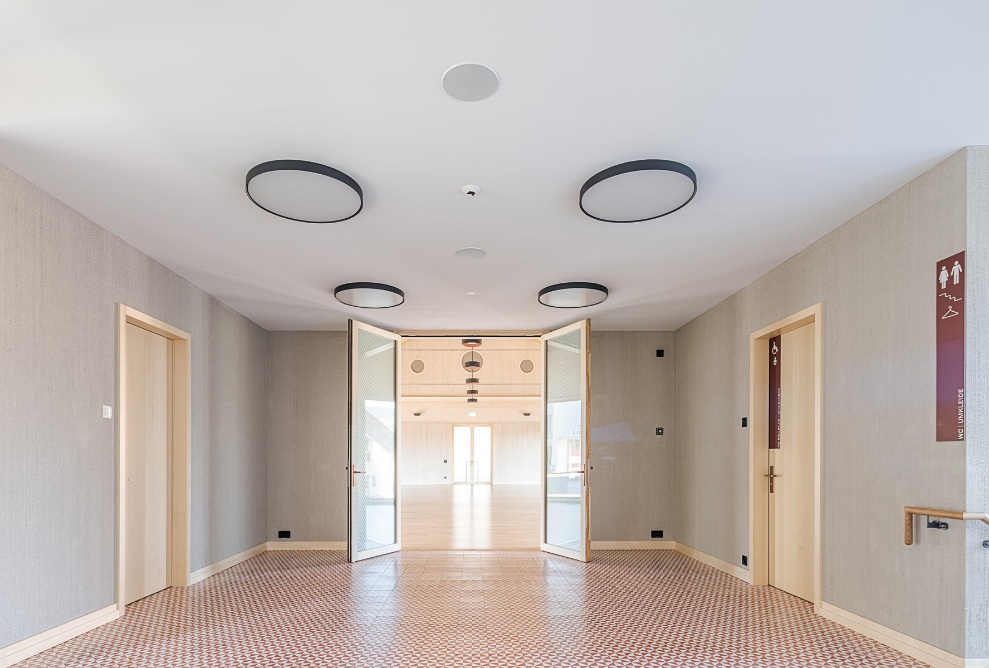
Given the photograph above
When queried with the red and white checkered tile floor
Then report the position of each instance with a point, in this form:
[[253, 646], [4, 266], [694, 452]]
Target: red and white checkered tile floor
[[464, 608]]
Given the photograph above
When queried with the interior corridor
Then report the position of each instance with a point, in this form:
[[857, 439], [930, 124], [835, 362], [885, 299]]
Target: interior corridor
[[635, 608]]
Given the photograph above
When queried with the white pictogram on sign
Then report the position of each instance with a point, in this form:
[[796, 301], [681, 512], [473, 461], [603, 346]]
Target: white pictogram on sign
[[951, 313], [943, 277], [775, 349], [956, 272]]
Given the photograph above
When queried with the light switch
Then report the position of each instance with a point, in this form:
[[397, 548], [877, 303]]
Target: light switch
[[107, 412]]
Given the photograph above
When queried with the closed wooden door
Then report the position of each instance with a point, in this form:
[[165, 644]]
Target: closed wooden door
[[791, 502], [146, 462]]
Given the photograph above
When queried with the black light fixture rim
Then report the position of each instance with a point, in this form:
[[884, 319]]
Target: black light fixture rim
[[364, 285], [638, 166], [303, 166], [582, 285], [473, 380]]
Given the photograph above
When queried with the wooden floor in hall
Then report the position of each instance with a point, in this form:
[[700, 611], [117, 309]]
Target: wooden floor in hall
[[470, 517]]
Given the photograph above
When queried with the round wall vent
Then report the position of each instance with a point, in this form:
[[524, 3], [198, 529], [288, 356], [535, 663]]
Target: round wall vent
[[417, 366], [526, 366]]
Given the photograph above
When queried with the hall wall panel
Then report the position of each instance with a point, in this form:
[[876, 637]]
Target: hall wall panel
[[875, 276], [307, 435], [425, 447], [63, 276], [632, 392]]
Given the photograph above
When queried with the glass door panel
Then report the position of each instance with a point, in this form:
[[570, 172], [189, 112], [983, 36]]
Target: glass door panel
[[374, 521], [566, 485], [482, 454]]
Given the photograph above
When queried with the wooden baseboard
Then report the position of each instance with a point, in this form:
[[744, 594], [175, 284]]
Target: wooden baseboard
[[723, 566], [213, 569], [307, 545], [936, 657], [56, 636], [632, 545]]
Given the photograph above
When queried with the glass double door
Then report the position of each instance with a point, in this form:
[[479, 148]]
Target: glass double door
[[374, 501], [472, 454]]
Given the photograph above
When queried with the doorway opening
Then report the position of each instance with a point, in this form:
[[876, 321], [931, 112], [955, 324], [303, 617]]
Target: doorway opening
[[470, 471], [785, 403], [384, 421], [154, 433], [472, 455]]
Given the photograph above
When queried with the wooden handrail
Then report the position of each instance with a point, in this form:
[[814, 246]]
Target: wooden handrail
[[910, 511]]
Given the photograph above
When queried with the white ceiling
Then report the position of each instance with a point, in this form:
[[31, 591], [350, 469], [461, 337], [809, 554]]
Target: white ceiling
[[795, 115]]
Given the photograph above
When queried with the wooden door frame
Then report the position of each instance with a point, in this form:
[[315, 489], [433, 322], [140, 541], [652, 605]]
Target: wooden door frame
[[759, 435], [180, 465]]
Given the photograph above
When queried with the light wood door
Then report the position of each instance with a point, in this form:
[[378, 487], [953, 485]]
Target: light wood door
[[791, 504], [565, 520], [146, 462]]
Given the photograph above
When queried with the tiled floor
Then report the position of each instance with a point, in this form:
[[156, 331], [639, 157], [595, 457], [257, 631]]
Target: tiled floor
[[648, 608]]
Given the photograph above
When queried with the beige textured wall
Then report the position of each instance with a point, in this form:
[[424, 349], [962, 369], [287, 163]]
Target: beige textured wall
[[62, 278], [874, 275], [977, 398], [632, 393], [307, 435]]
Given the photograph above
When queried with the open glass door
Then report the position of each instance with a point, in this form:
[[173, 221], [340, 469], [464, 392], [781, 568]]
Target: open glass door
[[566, 446], [374, 512]]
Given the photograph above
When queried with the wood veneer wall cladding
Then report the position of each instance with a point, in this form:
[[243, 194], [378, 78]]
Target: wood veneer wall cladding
[[873, 275], [307, 435], [63, 277], [632, 393]]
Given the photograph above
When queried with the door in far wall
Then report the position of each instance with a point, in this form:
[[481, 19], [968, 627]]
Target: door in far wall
[[791, 503], [147, 462], [472, 454]]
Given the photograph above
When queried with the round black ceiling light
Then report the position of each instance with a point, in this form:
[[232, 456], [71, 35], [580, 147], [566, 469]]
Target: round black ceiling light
[[573, 295], [369, 295], [307, 192], [639, 190]]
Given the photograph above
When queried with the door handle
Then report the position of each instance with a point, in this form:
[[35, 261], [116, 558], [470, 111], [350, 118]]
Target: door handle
[[772, 475], [353, 476]]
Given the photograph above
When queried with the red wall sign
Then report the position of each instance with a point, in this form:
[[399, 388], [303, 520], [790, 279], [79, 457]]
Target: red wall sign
[[775, 390], [951, 348]]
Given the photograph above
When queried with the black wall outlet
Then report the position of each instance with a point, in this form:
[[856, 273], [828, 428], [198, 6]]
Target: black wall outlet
[[745, 422], [284, 534], [660, 353], [745, 560], [659, 431], [656, 533]]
